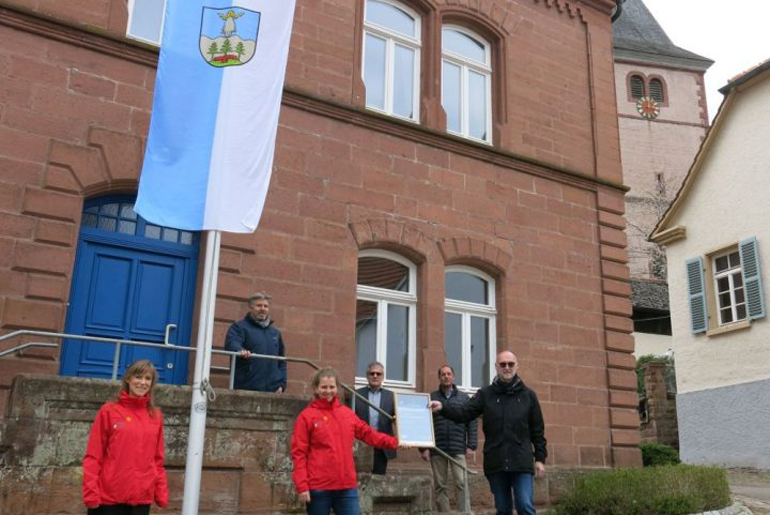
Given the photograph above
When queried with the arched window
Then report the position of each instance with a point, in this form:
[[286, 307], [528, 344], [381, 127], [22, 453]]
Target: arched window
[[386, 303], [391, 63], [636, 83], [656, 90], [466, 85], [470, 325]]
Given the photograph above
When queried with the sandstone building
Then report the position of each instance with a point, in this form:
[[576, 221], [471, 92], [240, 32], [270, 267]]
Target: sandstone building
[[447, 184]]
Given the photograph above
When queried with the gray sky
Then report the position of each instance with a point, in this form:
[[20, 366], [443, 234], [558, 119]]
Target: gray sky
[[732, 33]]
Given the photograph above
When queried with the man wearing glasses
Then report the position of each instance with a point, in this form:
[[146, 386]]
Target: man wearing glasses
[[515, 445], [379, 396]]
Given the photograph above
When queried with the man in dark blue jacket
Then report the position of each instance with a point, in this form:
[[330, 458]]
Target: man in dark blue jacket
[[255, 334], [454, 438], [514, 435]]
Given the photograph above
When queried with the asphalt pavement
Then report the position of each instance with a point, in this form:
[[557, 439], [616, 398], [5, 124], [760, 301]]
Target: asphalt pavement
[[751, 488]]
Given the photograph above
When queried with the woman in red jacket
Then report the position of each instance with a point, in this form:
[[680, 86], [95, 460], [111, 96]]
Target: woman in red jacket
[[123, 470], [322, 449]]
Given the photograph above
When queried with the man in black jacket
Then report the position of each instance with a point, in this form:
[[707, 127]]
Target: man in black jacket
[[256, 334], [455, 439], [379, 396], [514, 431]]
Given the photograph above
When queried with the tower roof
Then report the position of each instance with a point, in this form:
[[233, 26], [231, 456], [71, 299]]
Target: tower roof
[[639, 38]]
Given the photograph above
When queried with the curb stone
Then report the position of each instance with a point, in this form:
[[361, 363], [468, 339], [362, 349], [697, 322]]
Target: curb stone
[[754, 506], [735, 509]]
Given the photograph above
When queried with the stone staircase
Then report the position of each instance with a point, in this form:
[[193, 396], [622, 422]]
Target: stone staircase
[[247, 467]]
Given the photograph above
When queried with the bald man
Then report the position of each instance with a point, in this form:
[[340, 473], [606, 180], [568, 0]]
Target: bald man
[[514, 431]]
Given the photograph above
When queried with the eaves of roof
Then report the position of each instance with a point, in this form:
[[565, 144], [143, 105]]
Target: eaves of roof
[[745, 77], [665, 232]]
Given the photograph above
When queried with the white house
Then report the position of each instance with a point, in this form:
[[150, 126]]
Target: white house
[[717, 239]]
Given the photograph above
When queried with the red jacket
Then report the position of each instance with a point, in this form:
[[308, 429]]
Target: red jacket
[[124, 459], [322, 446]]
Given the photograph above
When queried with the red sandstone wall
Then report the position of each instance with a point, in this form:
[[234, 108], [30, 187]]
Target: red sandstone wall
[[74, 112], [555, 100]]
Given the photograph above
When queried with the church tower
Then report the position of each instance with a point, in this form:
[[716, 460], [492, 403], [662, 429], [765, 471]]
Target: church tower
[[662, 119]]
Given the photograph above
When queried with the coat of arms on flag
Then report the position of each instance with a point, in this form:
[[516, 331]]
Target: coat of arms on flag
[[211, 143], [229, 36]]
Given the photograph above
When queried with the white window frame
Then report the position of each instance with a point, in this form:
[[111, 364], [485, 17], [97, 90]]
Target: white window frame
[[729, 273], [384, 297], [468, 310], [391, 39], [131, 5], [467, 65]]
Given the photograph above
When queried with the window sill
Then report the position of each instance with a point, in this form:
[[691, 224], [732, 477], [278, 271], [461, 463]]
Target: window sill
[[382, 112], [469, 138], [148, 42], [717, 331]]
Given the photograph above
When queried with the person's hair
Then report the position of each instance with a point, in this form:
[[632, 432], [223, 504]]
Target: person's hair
[[497, 358], [141, 367], [374, 364], [445, 365], [324, 373], [260, 295]]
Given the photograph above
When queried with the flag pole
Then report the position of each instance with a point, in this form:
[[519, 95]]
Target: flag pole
[[197, 429]]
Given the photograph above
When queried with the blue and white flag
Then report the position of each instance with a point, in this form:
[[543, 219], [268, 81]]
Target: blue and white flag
[[215, 113]]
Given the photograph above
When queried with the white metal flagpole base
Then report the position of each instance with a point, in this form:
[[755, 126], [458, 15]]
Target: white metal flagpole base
[[198, 407]]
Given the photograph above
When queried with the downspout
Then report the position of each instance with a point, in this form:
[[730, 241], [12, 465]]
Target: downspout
[[618, 10]]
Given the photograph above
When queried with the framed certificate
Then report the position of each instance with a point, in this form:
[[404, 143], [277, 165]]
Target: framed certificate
[[414, 420]]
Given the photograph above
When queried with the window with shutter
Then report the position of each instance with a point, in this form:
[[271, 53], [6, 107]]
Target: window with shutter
[[656, 90], [697, 294], [729, 287], [755, 301], [637, 86]]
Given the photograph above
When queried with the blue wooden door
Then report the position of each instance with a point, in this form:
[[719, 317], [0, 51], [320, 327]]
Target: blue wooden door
[[131, 280]]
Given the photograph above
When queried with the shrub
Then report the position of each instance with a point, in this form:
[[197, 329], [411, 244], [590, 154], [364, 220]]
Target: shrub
[[655, 454], [664, 490]]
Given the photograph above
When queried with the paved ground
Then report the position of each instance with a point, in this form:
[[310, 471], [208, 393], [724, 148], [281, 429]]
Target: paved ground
[[752, 488]]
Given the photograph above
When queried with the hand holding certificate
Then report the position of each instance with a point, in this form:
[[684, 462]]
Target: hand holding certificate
[[414, 421]]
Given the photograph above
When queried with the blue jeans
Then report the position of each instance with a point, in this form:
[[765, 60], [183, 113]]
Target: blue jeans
[[344, 502], [523, 486]]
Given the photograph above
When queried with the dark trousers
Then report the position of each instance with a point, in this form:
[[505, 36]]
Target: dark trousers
[[522, 484], [120, 509], [380, 462], [343, 502]]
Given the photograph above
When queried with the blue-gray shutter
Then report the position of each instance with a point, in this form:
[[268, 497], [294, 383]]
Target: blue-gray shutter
[[752, 280], [696, 287]]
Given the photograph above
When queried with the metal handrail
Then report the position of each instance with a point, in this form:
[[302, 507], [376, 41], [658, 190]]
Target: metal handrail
[[463, 466], [102, 339], [233, 355], [23, 346], [164, 346]]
